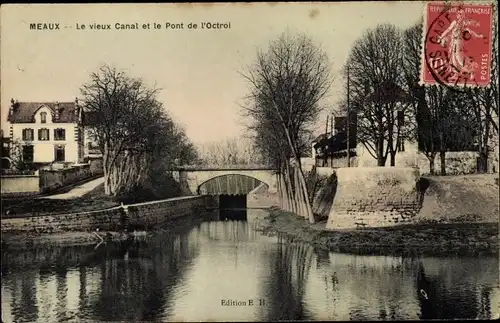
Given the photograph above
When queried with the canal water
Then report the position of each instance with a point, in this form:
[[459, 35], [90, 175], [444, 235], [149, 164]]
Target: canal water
[[221, 269]]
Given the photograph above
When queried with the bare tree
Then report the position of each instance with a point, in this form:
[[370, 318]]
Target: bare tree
[[287, 83], [377, 92], [131, 127], [444, 118], [232, 151], [484, 102]]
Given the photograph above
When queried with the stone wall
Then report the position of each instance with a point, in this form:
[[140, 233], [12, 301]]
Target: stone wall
[[135, 215], [46, 180], [20, 184], [52, 179], [151, 214], [96, 166], [103, 219], [336, 162], [374, 197]]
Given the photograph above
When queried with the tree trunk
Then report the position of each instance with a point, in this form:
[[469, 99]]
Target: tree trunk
[[283, 193], [278, 187], [296, 157], [107, 182], [290, 189], [483, 161], [380, 151], [304, 190], [484, 152], [298, 200], [432, 164], [442, 156], [392, 151], [302, 198]]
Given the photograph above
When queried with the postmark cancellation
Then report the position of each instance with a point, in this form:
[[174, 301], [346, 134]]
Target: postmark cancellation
[[457, 44]]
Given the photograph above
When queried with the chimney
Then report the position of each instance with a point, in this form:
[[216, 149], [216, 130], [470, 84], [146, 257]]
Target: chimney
[[11, 109], [78, 111], [56, 117]]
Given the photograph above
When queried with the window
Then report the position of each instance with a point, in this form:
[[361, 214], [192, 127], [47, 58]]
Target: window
[[28, 134], [43, 134], [59, 134], [43, 117], [28, 153], [5, 150], [59, 153]]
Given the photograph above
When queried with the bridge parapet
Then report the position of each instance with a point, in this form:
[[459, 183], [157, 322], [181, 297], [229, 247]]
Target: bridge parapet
[[224, 167]]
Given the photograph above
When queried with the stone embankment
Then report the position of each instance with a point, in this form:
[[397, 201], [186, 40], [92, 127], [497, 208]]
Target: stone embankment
[[396, 210], [407, 239], [141, 216], [379, 197], [374, 197]]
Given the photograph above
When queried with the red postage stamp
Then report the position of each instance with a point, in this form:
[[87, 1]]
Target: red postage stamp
[[457, 46]]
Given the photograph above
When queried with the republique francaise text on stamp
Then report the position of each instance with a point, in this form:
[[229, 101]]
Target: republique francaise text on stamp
[[457, 46]]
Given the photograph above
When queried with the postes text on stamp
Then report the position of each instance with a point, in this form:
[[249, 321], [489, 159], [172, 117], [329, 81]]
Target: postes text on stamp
[[457, 44]]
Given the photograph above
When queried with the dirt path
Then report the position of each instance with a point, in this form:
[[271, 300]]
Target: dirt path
[[77, 191]]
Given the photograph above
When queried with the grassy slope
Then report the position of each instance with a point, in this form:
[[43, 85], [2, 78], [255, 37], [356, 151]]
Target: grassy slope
[[93, 200], [423, 238], [469, 198]]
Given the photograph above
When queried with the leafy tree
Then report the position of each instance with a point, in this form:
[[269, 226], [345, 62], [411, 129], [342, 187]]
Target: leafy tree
[[136, 135]]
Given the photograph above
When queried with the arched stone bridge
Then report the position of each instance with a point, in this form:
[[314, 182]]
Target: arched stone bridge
[[229, 180]]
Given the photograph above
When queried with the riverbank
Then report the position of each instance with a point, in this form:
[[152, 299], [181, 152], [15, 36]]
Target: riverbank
[[425, 238], [27, 240]]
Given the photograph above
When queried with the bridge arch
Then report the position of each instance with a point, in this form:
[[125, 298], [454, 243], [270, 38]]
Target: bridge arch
[[198, 181], [230, 184]]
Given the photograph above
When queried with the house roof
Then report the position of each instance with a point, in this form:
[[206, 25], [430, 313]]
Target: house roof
[[337, 142], [91, 118], [320, 138], [24, 112]]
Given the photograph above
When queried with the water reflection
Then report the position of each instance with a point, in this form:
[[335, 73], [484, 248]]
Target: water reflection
[[185, 275]]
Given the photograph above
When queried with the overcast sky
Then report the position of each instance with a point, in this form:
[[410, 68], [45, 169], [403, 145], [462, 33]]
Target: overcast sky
[[197, 69]]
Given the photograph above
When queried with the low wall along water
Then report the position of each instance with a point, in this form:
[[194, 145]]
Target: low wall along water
[[141, 215], [20, 184], [47, 180], [374, 197]]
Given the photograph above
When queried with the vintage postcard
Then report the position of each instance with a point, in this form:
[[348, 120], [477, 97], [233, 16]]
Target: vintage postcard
[[228, 162]]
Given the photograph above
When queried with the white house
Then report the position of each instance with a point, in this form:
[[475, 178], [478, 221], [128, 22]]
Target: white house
[[48, 131]]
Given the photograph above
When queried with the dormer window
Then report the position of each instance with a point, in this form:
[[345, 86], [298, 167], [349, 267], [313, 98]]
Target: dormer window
[[43, 134], [43, 117]]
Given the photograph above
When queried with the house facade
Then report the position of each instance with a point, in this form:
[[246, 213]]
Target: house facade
[[329, 150], [47, 132], [5, 150]]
